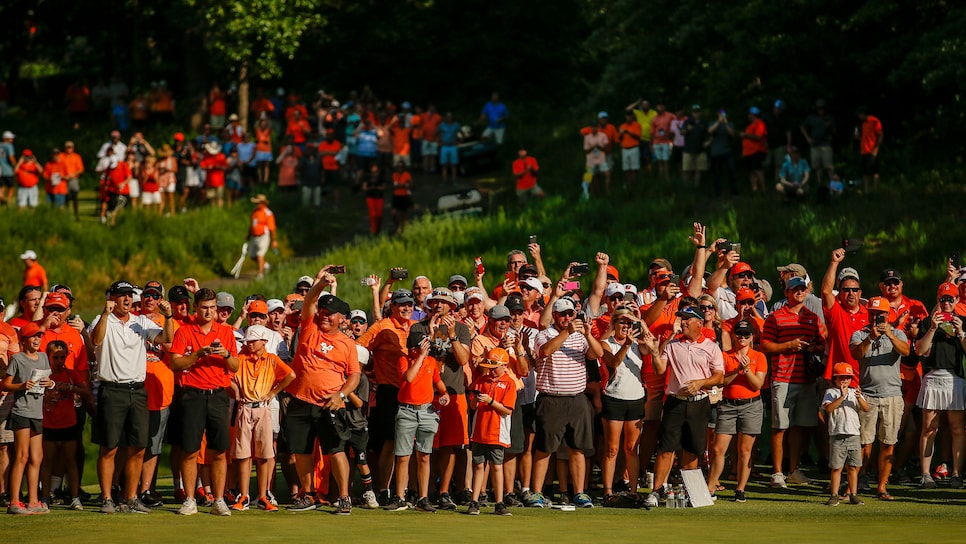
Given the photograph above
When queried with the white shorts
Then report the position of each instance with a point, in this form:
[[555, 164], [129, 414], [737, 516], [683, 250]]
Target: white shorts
[[430, 148], [404, 158], [495, 133], [631, 158], [941, 390], [135, 188], [169, 189], [151, 198], [258, 245]]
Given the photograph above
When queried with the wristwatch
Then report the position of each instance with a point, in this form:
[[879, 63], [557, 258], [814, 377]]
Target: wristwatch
[[343, 397]]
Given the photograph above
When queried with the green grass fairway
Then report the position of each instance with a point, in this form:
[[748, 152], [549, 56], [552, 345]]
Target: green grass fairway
[[794, 515]]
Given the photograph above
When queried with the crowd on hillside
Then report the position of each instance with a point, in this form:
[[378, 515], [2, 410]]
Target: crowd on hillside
[[434, 387]]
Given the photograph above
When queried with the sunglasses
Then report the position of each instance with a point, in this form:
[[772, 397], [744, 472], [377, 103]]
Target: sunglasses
[[257, 315], [947, 300], [302, 290], [546, 285], [746, 302], [155, 296], [744, 275], [568, 313], [526, 287], [850, 289], [746, 335], [891, 283], [706, 308], [62, 309], [357, 320], [617, 297]]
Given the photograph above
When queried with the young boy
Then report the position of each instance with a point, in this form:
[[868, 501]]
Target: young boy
[[261, 375], [28, 375], [60, 418], [359, 429], [495, 394], [416, 420], [842, 404]]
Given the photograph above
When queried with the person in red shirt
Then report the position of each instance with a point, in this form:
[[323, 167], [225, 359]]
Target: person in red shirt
[[525, 169], [870, 140], [661, 139], [299, 129], [55, 176], [206, 352], [329, 149], [217, 107], [214, 164], [430, 143], [74, 166], [33, 273], [754, 148], [844, 314]]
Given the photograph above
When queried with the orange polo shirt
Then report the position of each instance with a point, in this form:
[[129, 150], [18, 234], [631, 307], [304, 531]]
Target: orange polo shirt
[[257, 375], [386, 340], [212, 371], [420, 390], [322, 364]]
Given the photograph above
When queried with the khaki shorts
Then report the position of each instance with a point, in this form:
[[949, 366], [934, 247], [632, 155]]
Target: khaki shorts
[[822, 157], [881, 421], [258, 245], [253, 432], [214, 193], [793, 405], [694, 161]]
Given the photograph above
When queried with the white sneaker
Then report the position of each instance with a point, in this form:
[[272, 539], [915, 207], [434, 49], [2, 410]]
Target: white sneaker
[[778, 480], [75, 504], [652, 500], [369, 498], [188, 507], [219, 508], [798, 477]]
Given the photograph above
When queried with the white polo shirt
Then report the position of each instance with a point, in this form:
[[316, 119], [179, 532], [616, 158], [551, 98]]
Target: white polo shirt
[[122, 356]]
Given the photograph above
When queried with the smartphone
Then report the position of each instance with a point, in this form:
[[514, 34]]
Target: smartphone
[[73, 317], [399, 273], [630, 297], [533, 238], [337, 269], [880, 319], [954, 259], [637, 326], [675, 279], [851, 245], [479, 265], [580, 269], [571, 286], [476, 392], [736, 247]]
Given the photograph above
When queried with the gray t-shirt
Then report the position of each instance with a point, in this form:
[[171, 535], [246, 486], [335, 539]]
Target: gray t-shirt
[[452, 374], [879, 370], [27, 404], [357, 416]]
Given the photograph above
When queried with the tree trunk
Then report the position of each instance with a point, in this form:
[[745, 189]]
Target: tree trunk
[[243, 95]]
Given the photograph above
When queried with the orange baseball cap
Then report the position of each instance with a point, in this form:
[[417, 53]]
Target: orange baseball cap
[[57, 299], [945, 289], [744, 294], [28, 330], [258, 307], [740, 267], [612, 271], [496, 357], [843, 369], [878, 304], [293, 296]]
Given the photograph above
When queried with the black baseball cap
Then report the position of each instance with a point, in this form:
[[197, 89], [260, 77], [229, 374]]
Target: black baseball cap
[[333, 304], [120, 288], [178, 293], [155, 286], [744, 327], [414, 339], [890, 274]]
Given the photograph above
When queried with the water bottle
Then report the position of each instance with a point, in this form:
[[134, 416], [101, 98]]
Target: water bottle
[[671, 500], [682, 498]]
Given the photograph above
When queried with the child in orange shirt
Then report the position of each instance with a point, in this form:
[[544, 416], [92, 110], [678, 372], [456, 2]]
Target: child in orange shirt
[[495, 394], [416, 420]]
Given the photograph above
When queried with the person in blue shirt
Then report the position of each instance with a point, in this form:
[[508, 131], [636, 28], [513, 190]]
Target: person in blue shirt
[[494, 115], [367, 142], [793, 176], [449, 139]]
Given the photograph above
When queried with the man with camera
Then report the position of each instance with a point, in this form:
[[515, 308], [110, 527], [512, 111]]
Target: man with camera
[[879, 348]]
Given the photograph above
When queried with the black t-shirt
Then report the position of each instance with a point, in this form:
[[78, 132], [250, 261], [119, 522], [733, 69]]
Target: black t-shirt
[[310, 169], [946, 352], [777, 127], [696, 136], [820, 129], [452, 374], [376, 187]]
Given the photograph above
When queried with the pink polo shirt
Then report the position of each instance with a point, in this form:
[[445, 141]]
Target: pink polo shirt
[[689, 361]]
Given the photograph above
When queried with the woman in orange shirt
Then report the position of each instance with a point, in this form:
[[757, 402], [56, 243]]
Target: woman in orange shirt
[[263, 149], [402, 195], [288, 161]]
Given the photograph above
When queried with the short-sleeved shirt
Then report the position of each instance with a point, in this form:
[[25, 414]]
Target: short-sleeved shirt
[[122, 356], [697, 134], [628, 133], [946, 352], [25, 403], [386, 340], [329, 162], [489, 426], [879, 374], [784, 325], [76, 352], [452, 373], [661, 128], [841, 325], [257, 375], [496, 114], [525, 178], [750, 146], [644, 118], [323, 363], [59, 411], [35, 275], [211, 371], [262, 221], [721, 139], [591, 142], [844, 420], [688, 361], [871, 130], [795, 171], [820, 129], [564, 371], [448, 133], [739, 388], [420, 390], [214, 166]]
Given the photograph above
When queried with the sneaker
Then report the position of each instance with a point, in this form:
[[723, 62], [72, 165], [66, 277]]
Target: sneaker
[[652, 500], [343, 506], [927, 482], [369, 499], [18, 509], [424, 505], [241, 504], [535, 500], [863, 482], [219, 508], [740, 495], [956, 481], [563, 498], [902, 477], [265, 504], [188, 508], [464, 497], [511, 500], [798, 477], [778, 480], [524, 496], [38, 508], [941, 472], [445, 502], [75, 504], [854, 499], [833, 500], [107, 506], [502, 510], [396, 503], [583, 500], [4, 499], [151, 500], [384, 498], [271, 498], [303, 503], [207, 499], [134, 506], [473, 508]]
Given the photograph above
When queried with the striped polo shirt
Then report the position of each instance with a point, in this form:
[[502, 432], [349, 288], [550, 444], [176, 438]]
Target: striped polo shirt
[[563, 372], [784, 325]]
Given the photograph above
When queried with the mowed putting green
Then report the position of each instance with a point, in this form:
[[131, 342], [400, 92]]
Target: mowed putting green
[[794, 515]]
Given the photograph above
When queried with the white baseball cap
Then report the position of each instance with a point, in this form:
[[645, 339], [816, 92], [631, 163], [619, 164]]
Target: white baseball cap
[[29, 254], [614, 289], [7, 135], [256, 332], [274, 304]]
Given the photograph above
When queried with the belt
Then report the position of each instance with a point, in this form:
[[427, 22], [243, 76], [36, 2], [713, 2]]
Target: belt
[[692, 398], [739, 402], [416, 407], [203, 391], [130, 386], [257, 404]]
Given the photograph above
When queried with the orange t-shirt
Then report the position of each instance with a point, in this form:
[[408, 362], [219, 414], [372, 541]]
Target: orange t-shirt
[[28, 175], [35, 275], [627, 141], [299, 130], [55, 168], [73, 163], [402, 183], [400, 140], [263, 139], [257, 376], [416, 126], [871, 129], [159, 381], [59, 412], [749, 146], [212, 371], [291, 109], [214, 166], [489, 426], [329, 162], [431, 123], [76, 351], [262, 220], [420, 390], [262, 105], [322, 364], [216, 103], [386, 340], [739, 387]]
